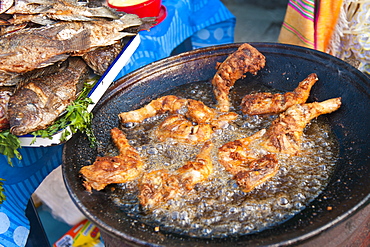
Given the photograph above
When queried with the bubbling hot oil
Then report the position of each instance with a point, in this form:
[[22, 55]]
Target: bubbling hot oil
[[218, 207]]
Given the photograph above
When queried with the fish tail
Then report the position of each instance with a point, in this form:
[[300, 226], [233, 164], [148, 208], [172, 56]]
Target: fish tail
[[103, 12]]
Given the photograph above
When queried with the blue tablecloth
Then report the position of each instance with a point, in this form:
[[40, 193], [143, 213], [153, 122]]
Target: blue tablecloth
[[205, 22]]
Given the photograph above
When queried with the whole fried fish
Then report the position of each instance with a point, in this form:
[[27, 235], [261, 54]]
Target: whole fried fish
[[15, 79], [29, 49], [100, 58], [5, 94], [38, 103], [64, 10]]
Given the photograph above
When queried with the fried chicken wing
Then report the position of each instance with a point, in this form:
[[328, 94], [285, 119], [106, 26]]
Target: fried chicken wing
[[245, 59], [268, 103], [253, 160], [181, 129], [162, 185], [122, 168], [190, 121], [284, 134], [199, 112]]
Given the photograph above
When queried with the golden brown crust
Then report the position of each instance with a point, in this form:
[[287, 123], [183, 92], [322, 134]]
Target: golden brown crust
[[284, 134], [106, 170], [159, 186], [169, 103], [252, 160], [268, 103], [258, 172], [181, 129], [245, 59]]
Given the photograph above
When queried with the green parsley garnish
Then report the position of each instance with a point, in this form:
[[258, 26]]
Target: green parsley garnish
[[9, 145], [76, 117], [2, 195]]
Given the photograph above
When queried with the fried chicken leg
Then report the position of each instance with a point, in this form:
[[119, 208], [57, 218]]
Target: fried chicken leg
[[162, 185], [268, 103], [245, 59], [284, 134], [169, 103], [253, 160], [122, 168], [196, 171]]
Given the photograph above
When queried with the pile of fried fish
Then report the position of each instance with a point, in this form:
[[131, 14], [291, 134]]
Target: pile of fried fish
[[48, 49]]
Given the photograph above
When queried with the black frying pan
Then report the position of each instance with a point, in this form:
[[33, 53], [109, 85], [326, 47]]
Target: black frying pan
[[347, 191]]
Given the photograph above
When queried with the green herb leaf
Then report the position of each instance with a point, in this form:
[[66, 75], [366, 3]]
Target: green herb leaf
[[9, 145], [2, 195]]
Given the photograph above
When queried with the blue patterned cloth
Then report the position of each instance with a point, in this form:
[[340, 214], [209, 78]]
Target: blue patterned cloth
[[206, 22]]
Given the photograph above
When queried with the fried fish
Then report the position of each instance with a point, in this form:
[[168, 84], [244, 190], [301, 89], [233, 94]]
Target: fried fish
[[5, 94], [38, 103], [64, 10], [34, 48]]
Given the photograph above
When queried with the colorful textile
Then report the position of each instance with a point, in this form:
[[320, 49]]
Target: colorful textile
[[326, 21], [298, 27], [310, 24], [338, 27]]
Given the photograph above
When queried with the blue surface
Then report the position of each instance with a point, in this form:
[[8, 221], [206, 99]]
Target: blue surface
[[54, 228], [206, 22]]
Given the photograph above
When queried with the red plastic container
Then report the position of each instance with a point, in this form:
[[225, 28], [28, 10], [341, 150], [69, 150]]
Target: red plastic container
[[149, 8]]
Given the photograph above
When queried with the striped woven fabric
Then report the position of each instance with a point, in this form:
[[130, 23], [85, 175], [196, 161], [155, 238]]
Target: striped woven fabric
[[310, 23], [299, 24]]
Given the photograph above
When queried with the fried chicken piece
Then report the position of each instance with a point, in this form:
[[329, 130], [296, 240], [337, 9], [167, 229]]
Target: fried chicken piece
[[196, 171], [159, 186], [245, 59], [196, 110], [181, 129], [122, 168], [250, 165], [268, 103], [284, 134], [199, 112], [169, 103], [253, 160]]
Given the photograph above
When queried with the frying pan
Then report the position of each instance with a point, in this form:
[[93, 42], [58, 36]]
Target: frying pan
[[347, 191]]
